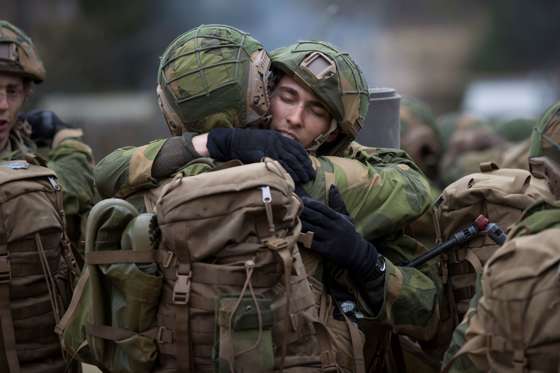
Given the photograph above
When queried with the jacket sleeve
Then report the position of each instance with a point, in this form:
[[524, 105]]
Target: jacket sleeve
[[411, 296], [127, 170], [382, 188], [72, 161], [384, 191]]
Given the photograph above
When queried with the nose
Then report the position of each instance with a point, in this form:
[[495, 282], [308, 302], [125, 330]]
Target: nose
[[295, 117]]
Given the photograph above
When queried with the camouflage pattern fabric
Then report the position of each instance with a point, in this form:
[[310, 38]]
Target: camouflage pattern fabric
[[545, 141], [383, 190], [18, 54], [205, 75]]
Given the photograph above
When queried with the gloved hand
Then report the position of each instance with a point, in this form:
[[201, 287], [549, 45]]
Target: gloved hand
[[251, 145], [336, 238], [44, 124]]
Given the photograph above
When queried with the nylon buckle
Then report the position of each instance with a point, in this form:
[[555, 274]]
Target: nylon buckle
[[168, 258], [5, 270], [182, 288], [163, 336]]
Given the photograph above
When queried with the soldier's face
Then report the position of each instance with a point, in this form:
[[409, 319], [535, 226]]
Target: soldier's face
[[12, 97], [297, 112]]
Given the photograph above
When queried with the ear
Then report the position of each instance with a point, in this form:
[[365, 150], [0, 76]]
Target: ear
[[333, 135]]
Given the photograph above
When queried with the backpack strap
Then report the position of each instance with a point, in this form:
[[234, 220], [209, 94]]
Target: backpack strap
[[6, 322], [283, 248], [357, 346], [55, 297], [180, 301]]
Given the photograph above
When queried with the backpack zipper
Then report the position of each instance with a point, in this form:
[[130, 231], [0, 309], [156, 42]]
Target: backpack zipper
[[267, 200]]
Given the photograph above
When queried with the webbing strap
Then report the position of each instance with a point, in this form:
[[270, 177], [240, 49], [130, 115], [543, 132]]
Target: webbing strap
[[180, 301], [57, 304], [357, 346], [7, 323], [161, 335], [281, 247], [223, 275], [70, 258], [120, 256], [76, 298]]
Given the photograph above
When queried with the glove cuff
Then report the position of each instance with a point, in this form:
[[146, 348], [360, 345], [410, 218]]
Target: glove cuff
[[219, 143]]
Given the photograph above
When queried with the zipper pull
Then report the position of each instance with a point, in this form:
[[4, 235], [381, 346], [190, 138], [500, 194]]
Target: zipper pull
[[54, 184], [267, 200]]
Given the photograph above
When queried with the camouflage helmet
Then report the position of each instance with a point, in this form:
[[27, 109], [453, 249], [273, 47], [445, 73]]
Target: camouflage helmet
[[213, 76], [544, 152], [419, 135], [335, 79], [18, 54]]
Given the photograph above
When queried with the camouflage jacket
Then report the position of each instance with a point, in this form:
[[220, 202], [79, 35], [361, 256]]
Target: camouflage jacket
[[534, 220], [383, 190], [69, 158]]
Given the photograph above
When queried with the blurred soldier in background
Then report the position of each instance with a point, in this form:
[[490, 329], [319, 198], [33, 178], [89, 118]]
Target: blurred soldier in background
[[420, 136], [512, 321], [468, 141], [518, 133], [421, 139]]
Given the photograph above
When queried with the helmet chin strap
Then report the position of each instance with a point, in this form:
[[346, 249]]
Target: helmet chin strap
[[320, 140]]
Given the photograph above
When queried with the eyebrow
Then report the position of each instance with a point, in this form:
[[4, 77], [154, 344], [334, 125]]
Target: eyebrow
[[291, 90]]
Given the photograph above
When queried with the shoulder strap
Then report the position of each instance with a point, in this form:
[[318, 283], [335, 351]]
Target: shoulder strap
[[6, 321]]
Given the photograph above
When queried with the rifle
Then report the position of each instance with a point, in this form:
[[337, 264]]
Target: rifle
[[480, 224]]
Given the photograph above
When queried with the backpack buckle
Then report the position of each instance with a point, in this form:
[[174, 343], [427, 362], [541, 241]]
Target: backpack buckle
[[182, 288], [5, 270], [163, 336]]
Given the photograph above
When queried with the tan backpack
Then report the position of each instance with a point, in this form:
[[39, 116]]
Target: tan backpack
[[516, 326], [499, 194], [235, 297], [34, 279], [236, 294]]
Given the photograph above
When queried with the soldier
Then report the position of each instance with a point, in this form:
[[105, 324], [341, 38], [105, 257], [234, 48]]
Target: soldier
[[320, 100], [35, 261], [420, 136], [468, 142], [20, 135], [511, 324]]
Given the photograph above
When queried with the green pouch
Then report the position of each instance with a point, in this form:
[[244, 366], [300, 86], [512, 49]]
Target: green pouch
[[240, 344]]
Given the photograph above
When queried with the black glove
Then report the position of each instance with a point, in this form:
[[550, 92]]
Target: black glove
[[336, 238], [251, 145], [44, 125]]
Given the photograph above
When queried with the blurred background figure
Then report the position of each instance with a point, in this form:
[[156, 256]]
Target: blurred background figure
[[420, 136], [469, 141]]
